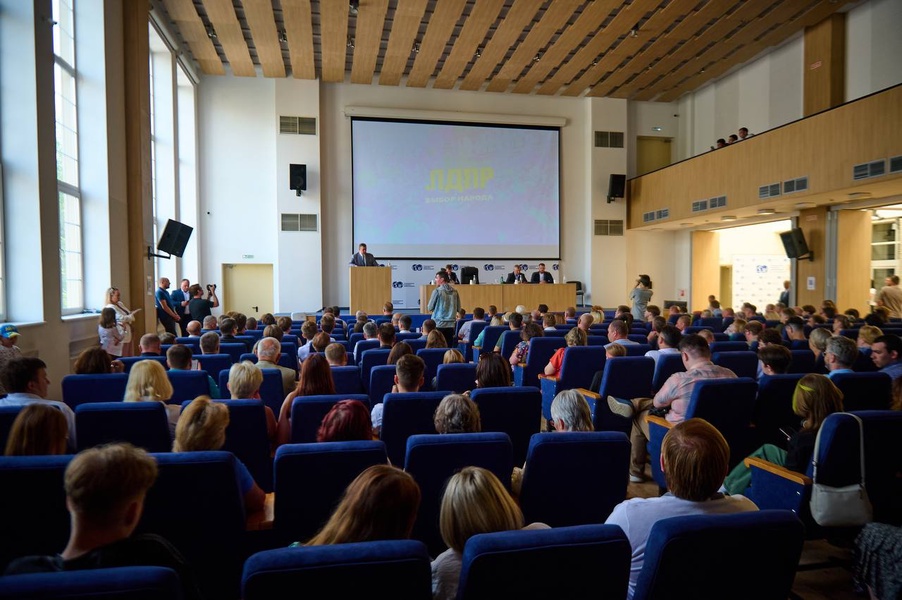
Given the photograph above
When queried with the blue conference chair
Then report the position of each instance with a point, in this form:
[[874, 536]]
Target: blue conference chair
[[405, 415], [666, 365], [382, 378], [541, 349], [129, 361], [188, 385], [623, 377], [517, 411], [347, 380], [307, 413], [456, 377], [579, 365], [143, 424], [116, 583], [78, 389]]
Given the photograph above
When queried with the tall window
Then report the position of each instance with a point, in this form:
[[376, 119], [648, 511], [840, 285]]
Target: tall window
[[64, 77]]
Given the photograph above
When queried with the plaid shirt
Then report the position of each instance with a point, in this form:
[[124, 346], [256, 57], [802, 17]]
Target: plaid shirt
[[677, 390]]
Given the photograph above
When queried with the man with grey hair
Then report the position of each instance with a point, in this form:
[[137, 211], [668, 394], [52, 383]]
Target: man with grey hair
[[839, 355], [268, 352], [210, 323], [209, 343], [370, 332], [571, 412]]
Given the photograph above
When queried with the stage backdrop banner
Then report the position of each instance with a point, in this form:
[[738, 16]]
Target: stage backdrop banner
[[758, 279], [409, 275]]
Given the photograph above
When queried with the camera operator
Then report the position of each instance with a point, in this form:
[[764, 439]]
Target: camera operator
[[200, 307]]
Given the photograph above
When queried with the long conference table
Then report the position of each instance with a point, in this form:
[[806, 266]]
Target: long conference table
[[506, 296]]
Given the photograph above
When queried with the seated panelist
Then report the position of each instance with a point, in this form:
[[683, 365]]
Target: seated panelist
[[516, 276], [542, 276]]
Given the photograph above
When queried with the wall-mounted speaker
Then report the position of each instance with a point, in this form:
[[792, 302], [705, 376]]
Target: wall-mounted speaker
[[616, 186], [175, 238], [795, 245], [297, 178]]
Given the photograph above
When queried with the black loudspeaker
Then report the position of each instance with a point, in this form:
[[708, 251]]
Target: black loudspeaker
[[297, 178], [175, 237], [795, 245], [616, 186]]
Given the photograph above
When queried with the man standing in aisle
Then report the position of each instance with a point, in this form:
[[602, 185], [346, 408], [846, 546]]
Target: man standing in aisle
[[444, 304], [165, 313], [890, 296], [180, 298]]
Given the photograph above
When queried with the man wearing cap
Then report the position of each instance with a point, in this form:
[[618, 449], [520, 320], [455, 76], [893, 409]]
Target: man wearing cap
[[8, 351]]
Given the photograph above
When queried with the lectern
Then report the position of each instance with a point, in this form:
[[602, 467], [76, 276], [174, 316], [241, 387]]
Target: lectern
[[370, 288]]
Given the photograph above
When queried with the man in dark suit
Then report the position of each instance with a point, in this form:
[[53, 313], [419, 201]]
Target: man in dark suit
[[542, 276], [363, 258], [452, 276], [516, 276]]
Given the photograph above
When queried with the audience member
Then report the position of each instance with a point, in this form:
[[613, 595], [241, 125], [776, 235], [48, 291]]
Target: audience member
[[386, 335], [320, 342], [201, 427], [436, 339], [457, 413], [179, 358], [530, 331], [346, 421], [397, 351], [404, 324], [575, 337], [105, 488], [26, 382], [147, 382], [409, 377], [95, 361], [463, 333], [570, 412], [9, 334], [269, 351], [618, 332], [210, 323], [886, 352], [774, 359], [337, 355], [474, 502], [315, 380], [817, 340], [380, 504], [110, 332], [707, 335], [244, 383], [866, 336], [839, 355], [209, 343], [308, 332], [815, 398], [150, 345], [695, 458], [492, 371], [890, 296], [38, 430], [610, 351]]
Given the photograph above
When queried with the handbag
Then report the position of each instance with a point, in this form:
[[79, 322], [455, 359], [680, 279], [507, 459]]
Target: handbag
[[845, 506]]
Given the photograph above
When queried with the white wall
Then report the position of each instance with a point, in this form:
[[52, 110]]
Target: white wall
[[873, 47], [759, 261], [642, 118]]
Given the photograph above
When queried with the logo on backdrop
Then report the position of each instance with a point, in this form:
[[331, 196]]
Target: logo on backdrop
[[555, 266], [525, 267], [397, 284], [761, 269], [416, 267], [488, 267], [454, 267]]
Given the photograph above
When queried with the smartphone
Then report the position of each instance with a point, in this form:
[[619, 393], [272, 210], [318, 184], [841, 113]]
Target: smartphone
[[195, 364]]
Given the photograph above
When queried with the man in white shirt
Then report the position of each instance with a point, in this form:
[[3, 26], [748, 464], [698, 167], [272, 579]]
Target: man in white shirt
[[668, 342], [618, 331], [695, 460], [25, 378]]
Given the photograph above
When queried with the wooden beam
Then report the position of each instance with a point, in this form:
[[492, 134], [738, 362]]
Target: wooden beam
[[405, 26], [334, 40], [190, 25], [298, 19], [262, 22], [367, 39], [441, 26], [230, 36], [470, 40]]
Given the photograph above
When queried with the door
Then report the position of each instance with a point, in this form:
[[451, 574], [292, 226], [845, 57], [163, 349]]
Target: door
[[726, 286], [652, 153], [247, 289]]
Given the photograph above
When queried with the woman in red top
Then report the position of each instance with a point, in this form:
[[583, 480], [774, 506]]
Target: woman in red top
[[574, 337]]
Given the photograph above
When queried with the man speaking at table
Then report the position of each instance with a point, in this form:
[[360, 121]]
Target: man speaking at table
[[363, 258], [542, 276]]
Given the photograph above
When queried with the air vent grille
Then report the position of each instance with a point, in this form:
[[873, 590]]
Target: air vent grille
[[608, 227], [895, 164], [297, 125], [652, 216], [609, 139], [699, 205], [874, 168], [299, 222], [718, 202], [799, 184], [771, 190]]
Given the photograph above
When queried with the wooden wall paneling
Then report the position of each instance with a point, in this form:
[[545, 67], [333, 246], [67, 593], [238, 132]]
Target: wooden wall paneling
[[230, 36], [705, 268], [438, 32], [367, 39], [813, 223], [334, 36], [471, 36], [298, 21], [262, 22], [400, 41], [136, 55], [194, 33], [824, 66], [853, 260]]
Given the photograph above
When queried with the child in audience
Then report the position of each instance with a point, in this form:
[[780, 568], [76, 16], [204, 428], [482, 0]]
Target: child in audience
[[380, 504], [529, 331], [147, 381], [348, 420], [614, 351], [109, 332], [39, 429], [202, 426], [474, 502], [815, 398]]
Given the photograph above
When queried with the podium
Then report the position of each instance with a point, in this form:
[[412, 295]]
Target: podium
[[370, 288]]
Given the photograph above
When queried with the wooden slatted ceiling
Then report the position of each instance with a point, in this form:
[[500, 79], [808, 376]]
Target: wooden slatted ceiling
[[439, 30], [367, 38], [548, 47], [298, 21], [505, 38], [408, 15], [190, 25], [477, 24], [555, 17], [260, 18], [229, 34]]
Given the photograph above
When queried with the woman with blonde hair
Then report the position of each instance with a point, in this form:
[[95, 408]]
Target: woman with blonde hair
[[38, 430], [380, 504], [815, 398], [124, 317], [867, 334], [147, 380], [202, 427], [474, 502], [574, 337], [817, 340]]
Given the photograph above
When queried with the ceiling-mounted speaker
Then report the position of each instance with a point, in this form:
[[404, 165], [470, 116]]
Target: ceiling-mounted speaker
[[297, 178]]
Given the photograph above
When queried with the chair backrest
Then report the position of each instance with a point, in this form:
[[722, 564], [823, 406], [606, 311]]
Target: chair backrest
[[188, 385], [693, 556], [742, 362], [728, 347], [353, 338], [34, 519], [802, 362], [579, 366], [382, 378], [117, 583], [345, 570], [196, 505], [597, 340], [405, 415], [715, 323], [729, 405], [433, 357], [863, 362], [129, 361], [864, 391], [517, 411], [490, 336], [307, 413], [589, 561], [432, 459], [214, 363], [368, 360], [247, 439], [541, 349], [233, 349], [8, 416], [78, 389], [773, 408], [362, 346], [637, 349], [416, 344], [627, 377], [666, 365], [509, 341], [248, 356], [406, 336], [347, 380], [456, 377], [310, 480], [143, 424], [591, 466], [271, 391]]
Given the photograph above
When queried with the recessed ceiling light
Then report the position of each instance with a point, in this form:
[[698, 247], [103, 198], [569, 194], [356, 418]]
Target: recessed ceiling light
[[766, 211], [728, 218]]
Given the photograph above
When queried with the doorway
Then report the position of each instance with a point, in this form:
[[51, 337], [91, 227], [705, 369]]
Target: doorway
[[247, 289], [652, 153]]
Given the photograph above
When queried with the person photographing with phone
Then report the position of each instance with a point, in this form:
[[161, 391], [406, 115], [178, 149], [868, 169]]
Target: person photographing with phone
[[201, 307], [639, 296]]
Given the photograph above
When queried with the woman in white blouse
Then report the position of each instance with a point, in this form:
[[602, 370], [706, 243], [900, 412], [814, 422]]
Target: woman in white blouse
[[124, 318]]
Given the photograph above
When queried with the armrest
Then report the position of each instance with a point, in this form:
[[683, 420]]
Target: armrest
[[551, 378], [752, 462], [588, 394], [661, 421]]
